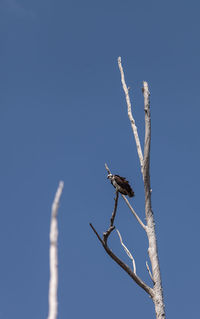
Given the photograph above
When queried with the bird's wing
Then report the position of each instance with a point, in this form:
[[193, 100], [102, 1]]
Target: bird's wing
[[122, 182]]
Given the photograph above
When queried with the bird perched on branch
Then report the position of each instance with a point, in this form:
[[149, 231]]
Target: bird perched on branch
[[121, 184]]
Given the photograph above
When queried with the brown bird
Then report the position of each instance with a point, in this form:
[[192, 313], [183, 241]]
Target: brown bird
[[121, 184]]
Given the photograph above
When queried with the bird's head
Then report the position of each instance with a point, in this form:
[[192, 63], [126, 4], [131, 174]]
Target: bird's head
[[110, 176]]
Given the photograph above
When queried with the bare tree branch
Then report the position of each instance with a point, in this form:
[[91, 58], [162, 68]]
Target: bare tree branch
[[134, 213], [113, 256], [137, 279], [110, 229], [127, 251], [130, 115], [53, 255], [107, 168], [152, 250]]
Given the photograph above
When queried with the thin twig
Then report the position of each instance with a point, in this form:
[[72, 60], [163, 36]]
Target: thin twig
[[115, 209], [98, 236], [130, 115], [127, 251], [112, 227], [137, 279], [53, 256], [149, 271], [107, 168]]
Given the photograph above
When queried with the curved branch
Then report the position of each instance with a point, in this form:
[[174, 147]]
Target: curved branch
[[137, 279], [127, 251]]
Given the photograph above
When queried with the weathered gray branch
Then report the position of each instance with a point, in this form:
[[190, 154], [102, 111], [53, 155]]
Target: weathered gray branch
[[152, 250], [130, 115], [127, 251], [53, 255], [134, 213]]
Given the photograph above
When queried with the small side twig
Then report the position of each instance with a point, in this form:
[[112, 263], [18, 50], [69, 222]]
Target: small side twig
[[127, 251], [149, 271], [107, 168], [98, 236]]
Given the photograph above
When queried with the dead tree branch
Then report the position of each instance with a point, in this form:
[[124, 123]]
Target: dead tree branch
[[112, 227], [104, 243], [136, 278], [134, 213], [130, 115], [151, 234], [53, 255], [127, 251], [107, 168]]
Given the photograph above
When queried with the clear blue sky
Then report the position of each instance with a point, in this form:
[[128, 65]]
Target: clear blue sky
[[63, 115]]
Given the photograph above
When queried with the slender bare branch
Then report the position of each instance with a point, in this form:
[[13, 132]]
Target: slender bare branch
[[134, 213], [107, 168], [110, 229], [53, 255], [136, 278], [149, 271], [130, 115], [115, 209], [98, 236], [127, 251]]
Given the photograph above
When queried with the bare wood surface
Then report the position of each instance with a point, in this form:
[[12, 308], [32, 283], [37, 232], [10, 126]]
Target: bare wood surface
[[152, 250], [53, 256], [127, 251], [130, 115], [134, 213], [112, 227]]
